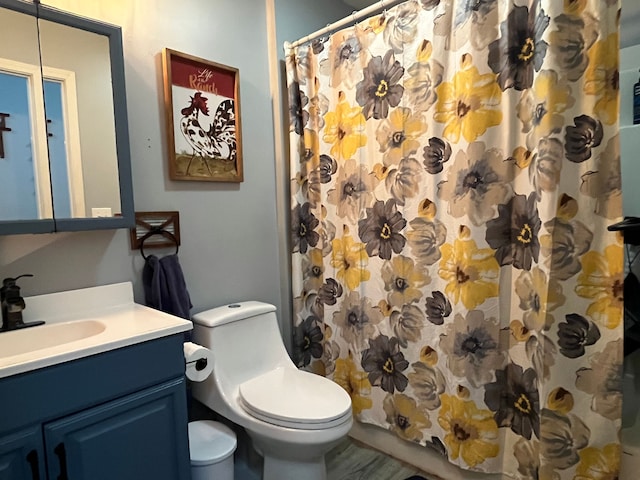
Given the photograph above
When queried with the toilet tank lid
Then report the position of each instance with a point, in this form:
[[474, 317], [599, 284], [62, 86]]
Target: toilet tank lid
[[232, 312]]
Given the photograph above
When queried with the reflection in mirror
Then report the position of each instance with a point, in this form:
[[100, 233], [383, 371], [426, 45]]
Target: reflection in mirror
[[62, 170], [24, 169], [80, 121], [63, 143]]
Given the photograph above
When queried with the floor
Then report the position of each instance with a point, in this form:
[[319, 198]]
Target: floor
[[348, 461], [352, 461]]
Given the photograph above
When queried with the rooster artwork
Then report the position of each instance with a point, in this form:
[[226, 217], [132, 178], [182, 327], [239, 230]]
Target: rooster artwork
[[219, 141], [205, 120]]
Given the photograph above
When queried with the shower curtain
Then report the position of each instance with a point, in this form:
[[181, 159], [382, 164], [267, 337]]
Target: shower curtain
[[454, 167]]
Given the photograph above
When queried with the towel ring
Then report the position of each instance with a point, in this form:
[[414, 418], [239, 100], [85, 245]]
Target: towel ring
[[158, 231]]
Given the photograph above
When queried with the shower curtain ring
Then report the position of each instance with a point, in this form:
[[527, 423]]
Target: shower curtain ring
[[353, 14], [328, 31]]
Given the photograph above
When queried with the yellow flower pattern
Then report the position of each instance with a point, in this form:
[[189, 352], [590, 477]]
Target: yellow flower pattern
[[469, 104], [602, 78], [599, 464], [470, 273], [355, 383], [601, 281], [574, 6], [344, 130], [454, 168], [350, 259], [471, 433]]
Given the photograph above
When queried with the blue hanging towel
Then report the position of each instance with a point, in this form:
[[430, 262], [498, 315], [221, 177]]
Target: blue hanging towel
[[164, 286]]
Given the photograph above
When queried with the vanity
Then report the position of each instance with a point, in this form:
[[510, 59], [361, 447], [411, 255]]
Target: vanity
[[97, 392]]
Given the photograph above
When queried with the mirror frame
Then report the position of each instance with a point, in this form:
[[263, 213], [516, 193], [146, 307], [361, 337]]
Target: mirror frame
[[114, 34]]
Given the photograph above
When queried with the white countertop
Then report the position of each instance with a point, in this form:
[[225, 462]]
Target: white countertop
[[110, 306]]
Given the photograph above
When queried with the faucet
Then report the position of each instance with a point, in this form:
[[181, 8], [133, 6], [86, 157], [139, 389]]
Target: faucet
[[13, 304]]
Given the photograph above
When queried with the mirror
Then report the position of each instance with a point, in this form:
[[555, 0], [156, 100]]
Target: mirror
[[64, 147]]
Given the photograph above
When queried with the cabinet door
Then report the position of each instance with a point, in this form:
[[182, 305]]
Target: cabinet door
[[141, 436], [21, 455]]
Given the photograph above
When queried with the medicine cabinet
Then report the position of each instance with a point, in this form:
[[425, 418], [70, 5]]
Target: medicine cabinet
[[64, 140]]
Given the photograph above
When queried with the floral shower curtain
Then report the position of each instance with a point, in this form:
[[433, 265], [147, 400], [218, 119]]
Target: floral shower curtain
[[454, 167]]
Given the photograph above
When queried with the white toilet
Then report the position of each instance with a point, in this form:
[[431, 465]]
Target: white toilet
[[293, 417]]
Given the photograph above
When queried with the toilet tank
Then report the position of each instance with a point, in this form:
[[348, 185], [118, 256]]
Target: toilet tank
[[244, 338]]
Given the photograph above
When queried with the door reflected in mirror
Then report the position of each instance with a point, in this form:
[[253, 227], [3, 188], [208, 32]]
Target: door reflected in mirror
[[78, 96], [25, 191], [58, 154]]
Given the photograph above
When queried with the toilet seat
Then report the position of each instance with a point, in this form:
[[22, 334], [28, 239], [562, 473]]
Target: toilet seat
[[296, 399]]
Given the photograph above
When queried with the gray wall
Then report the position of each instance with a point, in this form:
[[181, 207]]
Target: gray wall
[[629, 32], [230, 241], [231, 244], [298, 18]]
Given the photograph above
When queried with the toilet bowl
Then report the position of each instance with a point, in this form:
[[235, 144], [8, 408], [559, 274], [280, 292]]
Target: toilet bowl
[[293, 417]]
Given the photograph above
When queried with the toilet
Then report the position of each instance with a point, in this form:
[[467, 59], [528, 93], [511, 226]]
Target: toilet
[[292, 417]]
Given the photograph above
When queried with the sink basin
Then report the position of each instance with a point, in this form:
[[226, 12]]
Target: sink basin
[[18, 342], [80, 323]]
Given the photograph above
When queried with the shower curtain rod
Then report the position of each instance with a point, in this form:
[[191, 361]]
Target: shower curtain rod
[[354, 17]]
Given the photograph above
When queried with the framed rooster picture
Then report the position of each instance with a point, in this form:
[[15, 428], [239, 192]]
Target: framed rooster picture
[[202, 102]]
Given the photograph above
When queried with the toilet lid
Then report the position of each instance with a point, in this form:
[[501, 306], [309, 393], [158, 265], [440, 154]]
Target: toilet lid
[[291, 397]]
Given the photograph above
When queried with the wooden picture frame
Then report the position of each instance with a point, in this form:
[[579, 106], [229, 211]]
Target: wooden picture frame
[[202, 105]]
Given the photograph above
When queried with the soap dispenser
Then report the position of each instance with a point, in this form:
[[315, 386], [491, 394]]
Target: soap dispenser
[[13, 304]]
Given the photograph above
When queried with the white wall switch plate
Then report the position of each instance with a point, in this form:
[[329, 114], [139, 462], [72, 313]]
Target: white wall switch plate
[[101, 212]]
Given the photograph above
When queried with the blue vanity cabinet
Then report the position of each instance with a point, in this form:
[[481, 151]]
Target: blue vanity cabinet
[[21, 455], [120, 415], [130, 438]]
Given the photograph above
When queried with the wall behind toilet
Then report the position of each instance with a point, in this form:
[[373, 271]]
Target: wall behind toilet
[[230, 240]]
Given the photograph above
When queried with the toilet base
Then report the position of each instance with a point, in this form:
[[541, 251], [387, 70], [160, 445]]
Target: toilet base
[[285, 460], [280, 469]]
